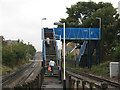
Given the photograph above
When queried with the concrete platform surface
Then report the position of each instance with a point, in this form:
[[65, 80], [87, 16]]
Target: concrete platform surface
[[51, 83]]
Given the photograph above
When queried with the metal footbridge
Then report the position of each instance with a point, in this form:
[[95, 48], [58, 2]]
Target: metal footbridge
[[50, 52], [89, 36]]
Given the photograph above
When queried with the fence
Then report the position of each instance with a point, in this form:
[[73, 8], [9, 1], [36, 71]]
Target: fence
[[76, 83]]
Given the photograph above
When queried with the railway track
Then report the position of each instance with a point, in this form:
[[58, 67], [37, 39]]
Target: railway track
[[76, 74], [6, 81], [22, 82]]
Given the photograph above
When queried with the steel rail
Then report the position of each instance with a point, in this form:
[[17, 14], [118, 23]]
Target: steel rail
[[93, 77], [97, 86], [15, 74], [25, 78]]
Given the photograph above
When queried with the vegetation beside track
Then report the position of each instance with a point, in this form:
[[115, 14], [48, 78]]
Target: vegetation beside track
[[102, 70], [7, 70], [99, 70], [15, 55]]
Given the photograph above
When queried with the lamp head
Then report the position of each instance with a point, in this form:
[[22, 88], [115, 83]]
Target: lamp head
[[58, 23]]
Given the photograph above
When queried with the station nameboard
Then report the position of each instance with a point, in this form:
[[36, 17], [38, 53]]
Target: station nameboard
[[78, 33]]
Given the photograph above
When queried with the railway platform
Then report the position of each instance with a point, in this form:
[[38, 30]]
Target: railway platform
[[51, 82]]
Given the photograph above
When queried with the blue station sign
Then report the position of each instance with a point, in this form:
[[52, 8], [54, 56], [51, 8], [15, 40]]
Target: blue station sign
[[78, 33]]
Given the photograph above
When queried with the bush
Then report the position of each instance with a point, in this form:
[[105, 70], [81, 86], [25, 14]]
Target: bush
[[70, 56], [116, 53], [19, 53]]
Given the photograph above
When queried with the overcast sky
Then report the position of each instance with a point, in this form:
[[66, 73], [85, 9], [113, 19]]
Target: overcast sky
[[21, 19]]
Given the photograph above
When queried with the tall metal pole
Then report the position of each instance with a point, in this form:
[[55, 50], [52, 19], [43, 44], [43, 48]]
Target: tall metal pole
[[75, 54], [99, 21], [28, 50], [100, 27], [60, 60], [98, 47], [60, 37], [60, 49], [64, 49], [42, 27], [99, 24], [99, 43], [64, 81], [42, 35]]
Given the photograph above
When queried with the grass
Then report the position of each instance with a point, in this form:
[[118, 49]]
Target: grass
[[7, 68], [102, 69], [99, 70]]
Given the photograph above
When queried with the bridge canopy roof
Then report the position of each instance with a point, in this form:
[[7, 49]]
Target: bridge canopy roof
[[78, 33]]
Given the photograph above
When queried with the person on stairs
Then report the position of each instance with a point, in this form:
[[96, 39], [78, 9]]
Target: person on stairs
[[52, 64], [48, 41]]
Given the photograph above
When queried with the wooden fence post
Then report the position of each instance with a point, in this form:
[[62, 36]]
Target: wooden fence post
[[69, 82], [104, 86], [83, 85], [74, 84], [78, 84], [91, 85]]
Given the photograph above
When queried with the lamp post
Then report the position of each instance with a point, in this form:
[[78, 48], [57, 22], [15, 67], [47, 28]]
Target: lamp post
[[64, 80], [59, 45], [59, 51], [42, 27], [43, 41], [100, 22]]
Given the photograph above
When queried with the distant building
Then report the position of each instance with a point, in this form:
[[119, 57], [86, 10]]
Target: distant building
[[9, 42], [119, 8], [1, 40], [1, 37]]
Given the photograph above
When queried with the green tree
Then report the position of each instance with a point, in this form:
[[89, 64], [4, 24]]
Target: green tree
[[8, 57], [81, 11], [20, 50], [116, 53], [19, 53], [31, 51], [83, 15]]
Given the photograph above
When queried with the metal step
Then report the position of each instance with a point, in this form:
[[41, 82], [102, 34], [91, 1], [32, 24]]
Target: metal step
[[56, 72], [51, 53], [54, 75]]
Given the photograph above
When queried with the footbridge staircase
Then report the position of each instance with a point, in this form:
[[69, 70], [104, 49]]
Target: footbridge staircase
[[89, 36]]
